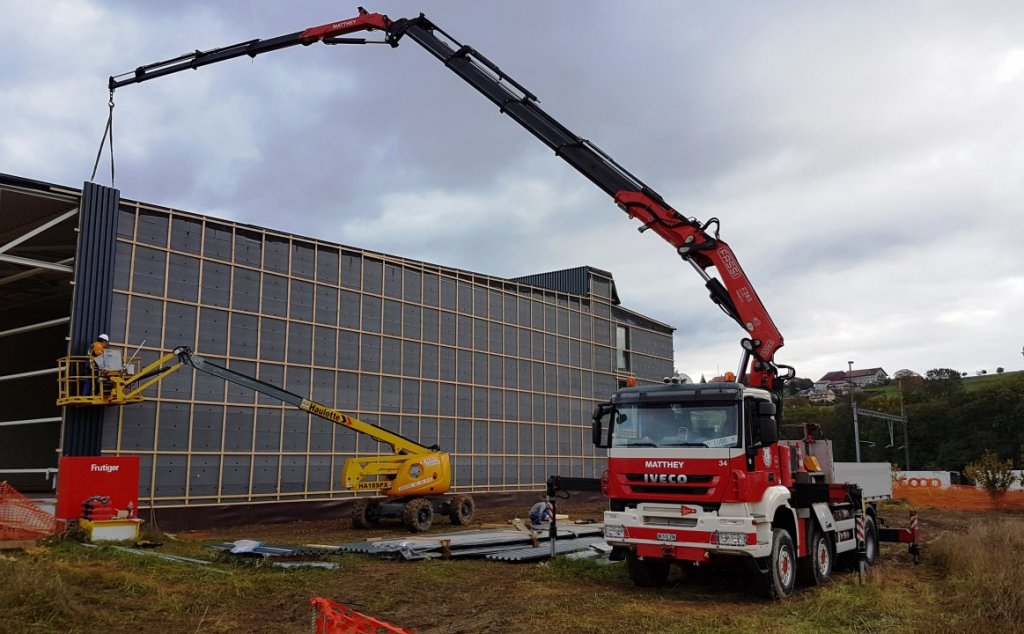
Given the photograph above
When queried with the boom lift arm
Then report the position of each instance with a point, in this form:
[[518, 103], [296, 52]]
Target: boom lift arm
[[414, 469], [696, 242]]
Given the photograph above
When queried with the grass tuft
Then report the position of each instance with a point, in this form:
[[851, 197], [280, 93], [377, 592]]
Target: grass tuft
[[985, 568], [574, 570]]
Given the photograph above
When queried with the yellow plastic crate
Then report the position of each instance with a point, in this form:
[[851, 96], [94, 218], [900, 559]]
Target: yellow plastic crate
[[111, 530]]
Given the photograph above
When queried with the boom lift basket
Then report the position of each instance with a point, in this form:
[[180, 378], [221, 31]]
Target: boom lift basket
[[80, 381], [108, 380]]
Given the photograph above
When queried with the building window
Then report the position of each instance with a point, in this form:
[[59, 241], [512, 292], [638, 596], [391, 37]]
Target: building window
[[621, 348]]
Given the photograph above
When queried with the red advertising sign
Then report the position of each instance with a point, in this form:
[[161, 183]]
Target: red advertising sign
[[80, 478]]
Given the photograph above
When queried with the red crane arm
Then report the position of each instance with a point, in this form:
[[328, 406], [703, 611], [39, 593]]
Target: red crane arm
[[364, 22], [731, 290]]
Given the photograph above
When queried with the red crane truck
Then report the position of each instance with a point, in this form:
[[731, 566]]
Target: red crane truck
[[717, 481], [697, 472]]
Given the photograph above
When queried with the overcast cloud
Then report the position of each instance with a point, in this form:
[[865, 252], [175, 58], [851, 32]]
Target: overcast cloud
[[866, 159]]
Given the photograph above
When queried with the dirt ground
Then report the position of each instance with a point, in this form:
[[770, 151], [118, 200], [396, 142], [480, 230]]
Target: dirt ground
[[67, 587]]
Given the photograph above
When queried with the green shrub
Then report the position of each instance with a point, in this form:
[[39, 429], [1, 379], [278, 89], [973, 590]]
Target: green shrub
[[992, 474]]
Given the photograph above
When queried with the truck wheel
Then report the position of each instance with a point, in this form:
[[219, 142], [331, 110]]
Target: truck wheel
[[781, 565], [816, 568], [646, 573], [418, 515], [849, 560], [365, 514], [870, 541], [461, 509]]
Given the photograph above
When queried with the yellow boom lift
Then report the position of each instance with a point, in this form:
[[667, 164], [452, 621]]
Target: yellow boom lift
[[414, 479]]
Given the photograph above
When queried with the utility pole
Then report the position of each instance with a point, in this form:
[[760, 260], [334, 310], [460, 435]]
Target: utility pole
[[853, 406], [856, 430], [906, 441]]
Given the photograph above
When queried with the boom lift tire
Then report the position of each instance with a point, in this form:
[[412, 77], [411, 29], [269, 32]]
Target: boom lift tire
[[461, 509], [647, 573], [418, 515], [365, 514], [816, 568]]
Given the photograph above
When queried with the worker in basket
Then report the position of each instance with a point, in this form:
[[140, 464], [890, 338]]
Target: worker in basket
[[97, 349], [102, 364]]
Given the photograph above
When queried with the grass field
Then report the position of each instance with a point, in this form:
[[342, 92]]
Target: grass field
[[972, 580], [968, 382]]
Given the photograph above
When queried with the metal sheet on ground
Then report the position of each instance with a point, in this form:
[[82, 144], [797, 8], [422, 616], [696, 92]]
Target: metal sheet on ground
[[476, 543], [543, 552]]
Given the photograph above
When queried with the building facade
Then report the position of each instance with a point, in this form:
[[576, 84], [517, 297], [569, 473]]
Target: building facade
[[501, 373]]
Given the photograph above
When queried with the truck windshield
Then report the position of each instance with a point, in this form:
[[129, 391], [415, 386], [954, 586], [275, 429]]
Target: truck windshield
[[676, 425]]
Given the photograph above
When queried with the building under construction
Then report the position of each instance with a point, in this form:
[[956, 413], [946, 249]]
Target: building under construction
[[501, 373]]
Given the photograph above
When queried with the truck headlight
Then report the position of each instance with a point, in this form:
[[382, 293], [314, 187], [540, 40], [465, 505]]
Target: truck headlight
[[614, 531], [730, 539]]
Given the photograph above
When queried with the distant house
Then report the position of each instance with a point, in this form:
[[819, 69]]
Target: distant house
[[821, 397], [841, 381]]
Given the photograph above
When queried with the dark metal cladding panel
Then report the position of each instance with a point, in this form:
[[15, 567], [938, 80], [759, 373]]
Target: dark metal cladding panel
[[573, 281], [91, 306]]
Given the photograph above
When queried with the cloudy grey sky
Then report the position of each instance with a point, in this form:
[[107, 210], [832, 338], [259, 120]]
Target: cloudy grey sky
[[866, 159]]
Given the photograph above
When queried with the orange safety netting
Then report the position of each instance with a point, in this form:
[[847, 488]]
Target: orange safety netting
[[20, 518], [330, 617], [959, 497]]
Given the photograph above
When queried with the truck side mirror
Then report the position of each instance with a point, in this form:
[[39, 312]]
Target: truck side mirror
[[766, 411], [597, 429]]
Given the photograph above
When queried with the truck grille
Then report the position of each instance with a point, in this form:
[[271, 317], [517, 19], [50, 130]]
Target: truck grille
[[696, 486], [680, 522], [665, 489]]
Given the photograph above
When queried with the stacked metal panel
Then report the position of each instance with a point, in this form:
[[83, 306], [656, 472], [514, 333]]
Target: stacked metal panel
[[91, 306], [501, 544]]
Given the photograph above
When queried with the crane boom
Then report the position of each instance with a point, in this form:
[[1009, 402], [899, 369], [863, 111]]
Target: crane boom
[[696, 242]]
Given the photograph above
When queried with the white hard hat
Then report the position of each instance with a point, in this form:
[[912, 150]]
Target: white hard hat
[[104, 338]]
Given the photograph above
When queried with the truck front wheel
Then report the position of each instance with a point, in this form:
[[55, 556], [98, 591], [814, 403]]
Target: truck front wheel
[[646, 573], [781, 578]]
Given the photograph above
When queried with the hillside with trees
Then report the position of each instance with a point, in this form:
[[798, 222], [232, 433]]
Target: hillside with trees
[[954, 420]]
